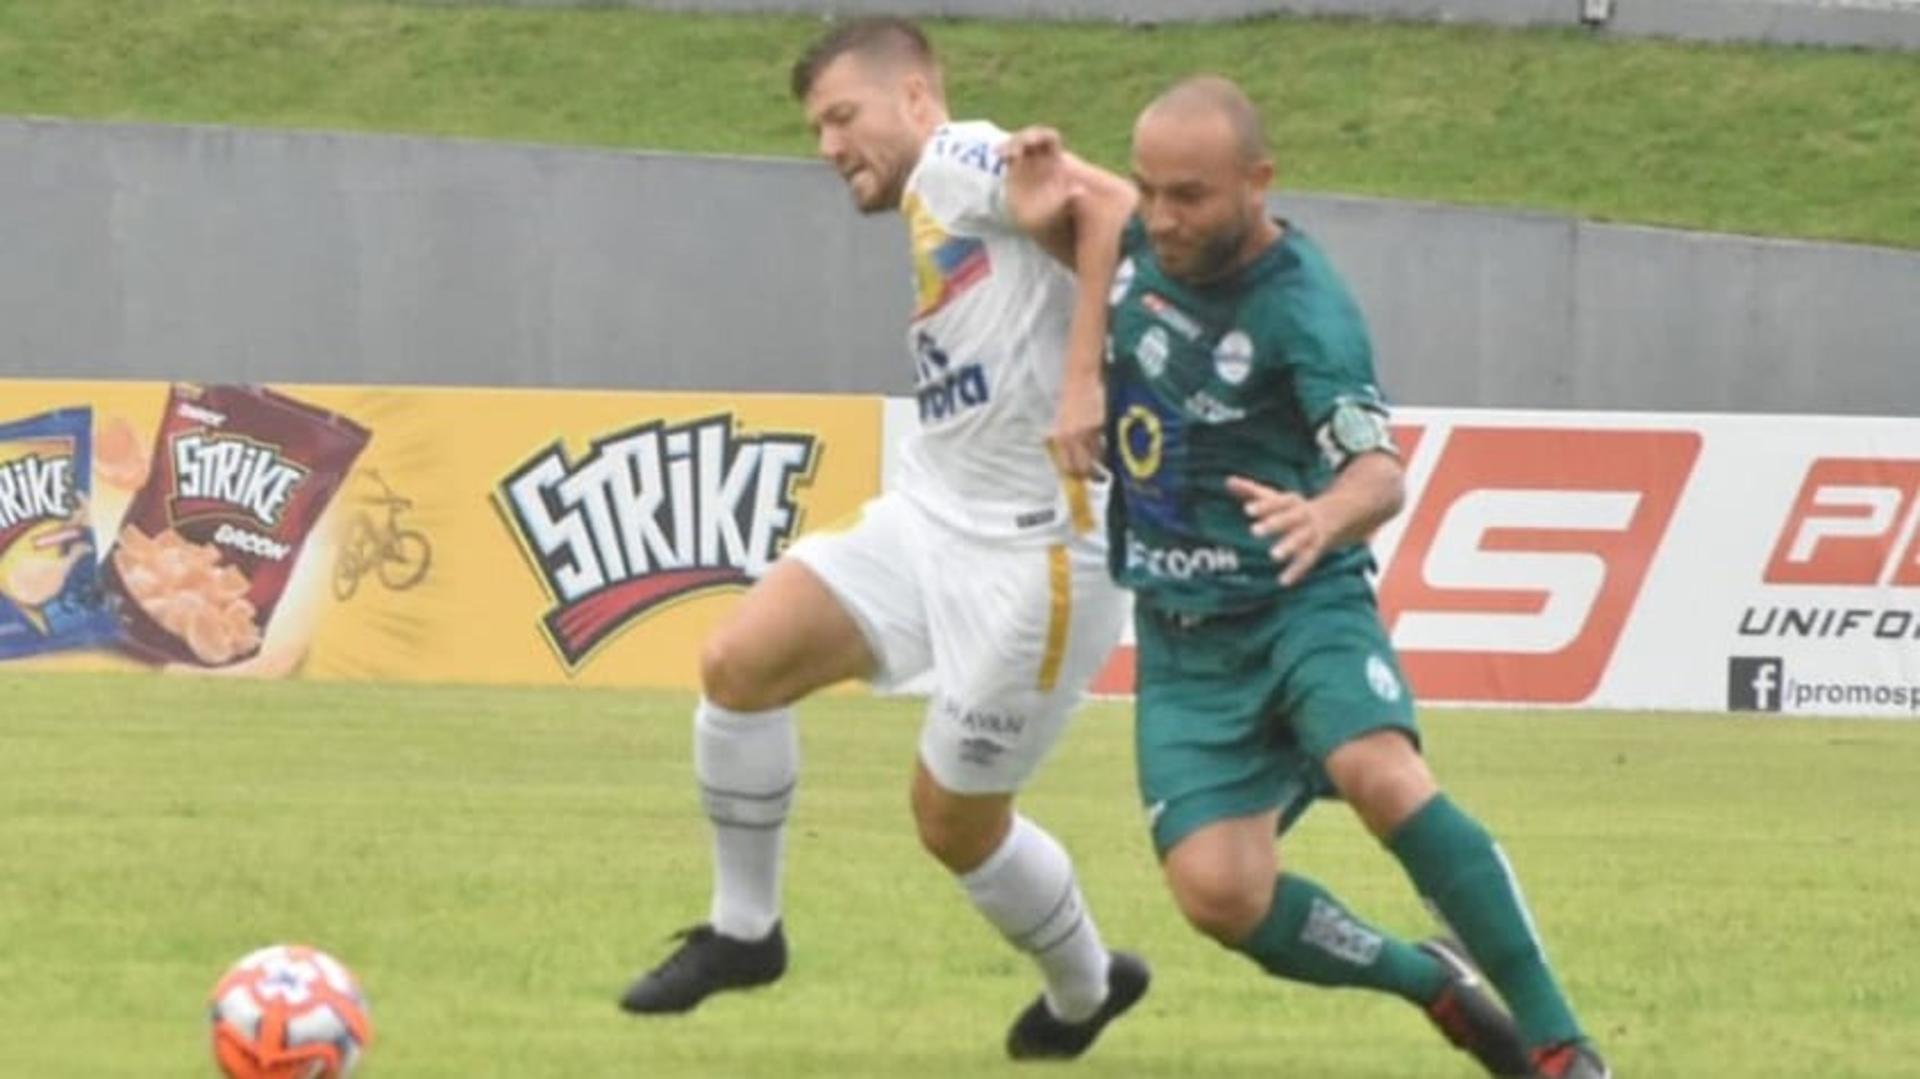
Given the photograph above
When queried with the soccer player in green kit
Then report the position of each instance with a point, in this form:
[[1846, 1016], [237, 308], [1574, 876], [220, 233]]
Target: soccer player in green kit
[[1253, 460]]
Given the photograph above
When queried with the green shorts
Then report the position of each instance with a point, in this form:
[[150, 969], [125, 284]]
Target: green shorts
[[1235, 714]]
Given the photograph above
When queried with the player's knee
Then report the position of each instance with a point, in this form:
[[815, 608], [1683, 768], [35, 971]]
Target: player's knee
[[733, 678], [1222, 904], [950, 841], [960, 834], [1383, 777]]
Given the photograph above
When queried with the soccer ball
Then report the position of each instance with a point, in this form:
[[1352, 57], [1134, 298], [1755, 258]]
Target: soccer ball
[[289, 1012]]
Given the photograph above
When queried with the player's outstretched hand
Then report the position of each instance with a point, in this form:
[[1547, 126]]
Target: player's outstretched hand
[[1040, 186], [1301, 535], [1035, 146], [1077, 425]]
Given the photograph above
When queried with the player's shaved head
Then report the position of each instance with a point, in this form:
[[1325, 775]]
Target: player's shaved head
[[885, 40], [1201, 165], [1212, 97]]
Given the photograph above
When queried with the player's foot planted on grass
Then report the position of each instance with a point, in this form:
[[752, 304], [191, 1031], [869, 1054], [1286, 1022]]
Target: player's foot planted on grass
[[704, 964]]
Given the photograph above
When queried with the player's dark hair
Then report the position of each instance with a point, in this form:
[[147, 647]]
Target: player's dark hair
[[881, 36]]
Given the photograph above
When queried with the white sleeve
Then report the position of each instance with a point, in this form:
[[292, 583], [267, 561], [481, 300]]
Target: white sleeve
[[962, 181]]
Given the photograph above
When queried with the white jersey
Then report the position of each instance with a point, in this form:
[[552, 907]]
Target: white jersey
[[988, 339]]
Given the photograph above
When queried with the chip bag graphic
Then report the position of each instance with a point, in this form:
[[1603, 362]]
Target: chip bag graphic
[[50, 596], [239, 478]]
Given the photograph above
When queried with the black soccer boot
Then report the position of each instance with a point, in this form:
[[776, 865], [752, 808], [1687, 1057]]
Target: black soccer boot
[[1038, 1035], [1470, 1017], [704, 964]]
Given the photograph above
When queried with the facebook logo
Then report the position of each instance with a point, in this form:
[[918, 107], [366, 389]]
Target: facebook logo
[[1755, 683]]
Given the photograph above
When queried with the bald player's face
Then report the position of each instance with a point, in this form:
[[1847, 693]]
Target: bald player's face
[[1199, 198], [860, 115]]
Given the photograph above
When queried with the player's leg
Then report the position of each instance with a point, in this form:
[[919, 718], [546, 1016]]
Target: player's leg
[[1017, 634], [1022, 881], [1352, 712], [1226, 879], [1220, 775], [788, 637], [1462, 872], [822, 615]]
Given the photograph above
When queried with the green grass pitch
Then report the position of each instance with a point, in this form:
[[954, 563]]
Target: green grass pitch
[[1723, 896]]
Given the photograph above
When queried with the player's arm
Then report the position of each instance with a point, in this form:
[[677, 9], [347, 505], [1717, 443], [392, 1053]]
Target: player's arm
[[1364, 495], [1056, 198], [1330, 364], [1076, 213]]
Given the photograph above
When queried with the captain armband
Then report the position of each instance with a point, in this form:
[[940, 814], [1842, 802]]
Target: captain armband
[[1354, 427]]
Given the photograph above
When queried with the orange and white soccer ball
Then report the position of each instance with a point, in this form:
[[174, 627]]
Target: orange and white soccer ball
[[289, 1012]]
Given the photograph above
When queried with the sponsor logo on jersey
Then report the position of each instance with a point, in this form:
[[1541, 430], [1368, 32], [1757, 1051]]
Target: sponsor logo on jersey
[[1164, 310], [1233, 358], [1142, 439], [1207, 408], [1381, 679], [1149, 438], [1153, 351], [971, 152], [652, 514], [944, 390], [1180, 563]]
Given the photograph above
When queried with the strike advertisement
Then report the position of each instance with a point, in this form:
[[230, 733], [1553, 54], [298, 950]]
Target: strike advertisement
[[403, 534]]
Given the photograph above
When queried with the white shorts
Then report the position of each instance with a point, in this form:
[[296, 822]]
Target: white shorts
[[1011, 634]]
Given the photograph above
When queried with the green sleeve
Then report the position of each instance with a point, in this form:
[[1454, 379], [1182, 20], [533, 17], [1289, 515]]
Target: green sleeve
[[1328, 355]]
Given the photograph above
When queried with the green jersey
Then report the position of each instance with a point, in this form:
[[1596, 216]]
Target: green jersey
[[1266, 374]]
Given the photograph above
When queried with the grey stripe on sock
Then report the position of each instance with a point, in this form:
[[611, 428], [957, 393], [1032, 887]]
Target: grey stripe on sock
[[721, 792], [1022, 939], [1078, 921], [768, 826]]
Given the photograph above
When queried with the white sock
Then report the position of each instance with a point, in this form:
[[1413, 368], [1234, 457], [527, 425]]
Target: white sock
[[1028, 891], [746, 764]]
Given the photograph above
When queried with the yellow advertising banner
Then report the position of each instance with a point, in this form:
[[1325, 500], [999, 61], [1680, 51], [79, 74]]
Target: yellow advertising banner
[[401, 533]]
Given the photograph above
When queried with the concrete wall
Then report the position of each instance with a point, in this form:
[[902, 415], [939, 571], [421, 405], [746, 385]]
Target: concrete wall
[[1495, 308], [1867, 23], [219, 253], [1874, 24], [208, 253]]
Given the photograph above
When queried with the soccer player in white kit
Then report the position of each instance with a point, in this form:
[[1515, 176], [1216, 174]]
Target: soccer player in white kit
[[982, 563]]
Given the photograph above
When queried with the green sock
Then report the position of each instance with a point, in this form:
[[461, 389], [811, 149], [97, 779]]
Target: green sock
[[1309, 936], [1461, 871]]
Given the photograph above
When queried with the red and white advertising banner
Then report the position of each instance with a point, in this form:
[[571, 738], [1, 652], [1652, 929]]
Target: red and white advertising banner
[[1651, 560]]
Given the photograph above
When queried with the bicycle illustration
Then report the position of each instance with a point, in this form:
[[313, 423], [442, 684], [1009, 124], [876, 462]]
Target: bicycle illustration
[[398, 556]]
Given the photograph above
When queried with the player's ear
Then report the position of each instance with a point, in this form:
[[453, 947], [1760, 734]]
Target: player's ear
[[917, 90], [1260, 174]]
